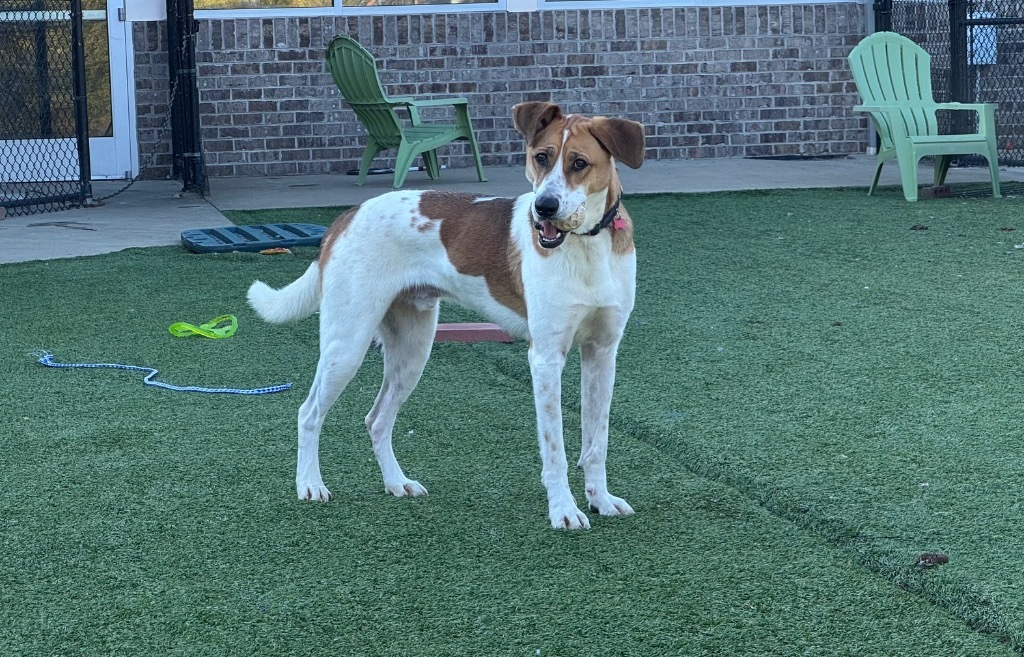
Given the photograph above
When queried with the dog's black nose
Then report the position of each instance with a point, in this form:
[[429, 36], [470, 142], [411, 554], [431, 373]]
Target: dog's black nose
[[546, 206]]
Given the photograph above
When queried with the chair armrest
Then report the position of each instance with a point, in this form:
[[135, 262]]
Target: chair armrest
[[433, 102], [875, 108], [889, 121], [460, 105], [986, 113], [976, 107]]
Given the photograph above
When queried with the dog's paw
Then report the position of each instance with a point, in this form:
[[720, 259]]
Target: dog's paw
[[567, 516], [405, 488], [315, 491], [609, 505]]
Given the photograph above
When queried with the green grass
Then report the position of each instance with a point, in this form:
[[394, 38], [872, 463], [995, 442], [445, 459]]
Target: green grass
[[810, 394]]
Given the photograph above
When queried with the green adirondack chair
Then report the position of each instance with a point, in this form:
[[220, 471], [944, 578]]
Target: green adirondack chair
[[893, 75], [355, 73]]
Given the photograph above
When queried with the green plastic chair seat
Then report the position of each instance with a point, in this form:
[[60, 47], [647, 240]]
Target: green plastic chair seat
[[893, 75], [355, 73]]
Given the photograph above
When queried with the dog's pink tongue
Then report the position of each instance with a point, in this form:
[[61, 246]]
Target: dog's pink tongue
[[548, 230]]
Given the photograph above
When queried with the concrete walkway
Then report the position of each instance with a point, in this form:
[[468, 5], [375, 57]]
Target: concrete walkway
[[154, 213]]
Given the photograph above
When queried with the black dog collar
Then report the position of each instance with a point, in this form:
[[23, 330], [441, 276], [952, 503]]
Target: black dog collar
[[607, 219]]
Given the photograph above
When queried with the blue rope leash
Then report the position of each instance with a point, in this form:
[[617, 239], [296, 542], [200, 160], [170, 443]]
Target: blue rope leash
[[46, 358]]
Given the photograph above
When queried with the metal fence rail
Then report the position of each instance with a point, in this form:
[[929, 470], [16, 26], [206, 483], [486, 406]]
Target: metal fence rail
[[977, 49], [43, 127]]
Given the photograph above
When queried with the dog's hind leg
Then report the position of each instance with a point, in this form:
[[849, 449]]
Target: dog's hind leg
[[341, 354], [407, 336], [309, 483], [597, 364]]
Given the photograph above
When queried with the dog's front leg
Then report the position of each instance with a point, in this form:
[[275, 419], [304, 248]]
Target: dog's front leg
[[597, 382], [546, 364]]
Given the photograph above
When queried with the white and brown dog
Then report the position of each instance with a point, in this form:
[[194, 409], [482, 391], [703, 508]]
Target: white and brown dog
[[556, 265]]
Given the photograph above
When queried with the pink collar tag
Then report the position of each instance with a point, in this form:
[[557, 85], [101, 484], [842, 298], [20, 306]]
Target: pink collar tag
[[618, 223]]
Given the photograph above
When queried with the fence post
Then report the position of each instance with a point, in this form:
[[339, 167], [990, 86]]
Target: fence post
[[883, 15], [186, 140], [81, 104], [959, 84]]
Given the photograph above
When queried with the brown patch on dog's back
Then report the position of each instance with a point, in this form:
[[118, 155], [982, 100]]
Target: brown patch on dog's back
[[421, 224], [476, 235], [336, 230]]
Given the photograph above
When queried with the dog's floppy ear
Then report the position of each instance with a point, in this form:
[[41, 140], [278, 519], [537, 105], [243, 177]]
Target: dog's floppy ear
[[530, 118], [623, 138]]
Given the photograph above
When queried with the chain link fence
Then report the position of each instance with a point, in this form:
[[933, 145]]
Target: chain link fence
[[40, 139], [977, 49]]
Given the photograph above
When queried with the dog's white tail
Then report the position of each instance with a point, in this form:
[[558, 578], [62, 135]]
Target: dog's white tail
[[295, 301]]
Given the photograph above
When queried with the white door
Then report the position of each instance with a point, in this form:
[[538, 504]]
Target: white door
[[112, 141], [109, 81]]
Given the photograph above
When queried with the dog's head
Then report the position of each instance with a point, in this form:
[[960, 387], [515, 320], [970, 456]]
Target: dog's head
[[570, 159]]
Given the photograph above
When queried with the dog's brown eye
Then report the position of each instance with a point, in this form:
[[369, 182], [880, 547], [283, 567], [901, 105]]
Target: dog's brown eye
[[579, 164], [541, 159]]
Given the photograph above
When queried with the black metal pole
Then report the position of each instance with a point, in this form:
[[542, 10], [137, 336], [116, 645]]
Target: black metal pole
[[185, 130], [81, 104], [173, 47], [959, 83], [193, 137], [883, 15]]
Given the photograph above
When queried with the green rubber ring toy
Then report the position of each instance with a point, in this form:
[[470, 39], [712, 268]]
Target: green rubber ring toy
[[218, 327]]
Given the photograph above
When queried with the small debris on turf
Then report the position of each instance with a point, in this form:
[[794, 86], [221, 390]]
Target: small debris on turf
[[919, 227], [277, 250], [1007, 229], [931, 559], [837, 323]]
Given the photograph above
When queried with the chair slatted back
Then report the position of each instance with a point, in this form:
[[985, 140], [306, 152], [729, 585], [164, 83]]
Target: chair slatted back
[[891, 70], [355, 72]]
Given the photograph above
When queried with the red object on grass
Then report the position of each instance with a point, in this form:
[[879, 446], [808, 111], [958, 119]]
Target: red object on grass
[[483, 332]]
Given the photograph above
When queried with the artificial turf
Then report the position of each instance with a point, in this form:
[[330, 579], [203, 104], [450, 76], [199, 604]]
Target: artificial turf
[[810, 394]]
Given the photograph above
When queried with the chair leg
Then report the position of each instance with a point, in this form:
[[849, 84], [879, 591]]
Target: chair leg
[[364, 165], [479, 164], [462, 120], [941, 169], [908, 175], [431, 165], [476, 157], [988, 119], [993, 170], [878, 174], [403, 161]]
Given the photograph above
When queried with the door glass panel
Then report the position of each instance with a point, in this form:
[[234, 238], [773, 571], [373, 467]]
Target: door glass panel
[[97, 76], [259, 4], [36, 79], [37, 109]]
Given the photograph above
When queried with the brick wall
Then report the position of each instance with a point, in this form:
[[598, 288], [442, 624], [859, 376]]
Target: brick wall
[[151, 99], [706, 81]]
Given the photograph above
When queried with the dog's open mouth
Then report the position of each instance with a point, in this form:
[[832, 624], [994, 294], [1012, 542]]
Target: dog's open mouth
[[550, 235]]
